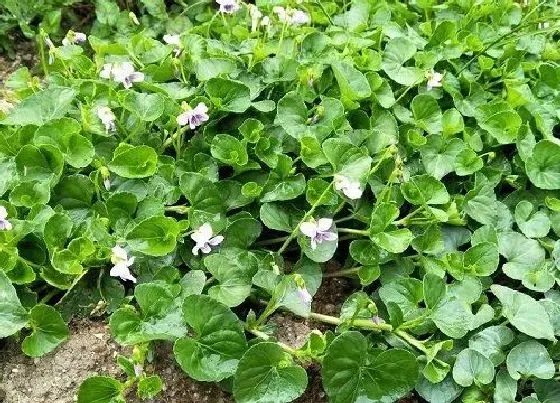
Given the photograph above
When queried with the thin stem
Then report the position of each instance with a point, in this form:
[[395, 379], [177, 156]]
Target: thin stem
[[318, 3], [354, 231], [273, 241], [265, 336], [343, 273], [41, 43], [361, 323]]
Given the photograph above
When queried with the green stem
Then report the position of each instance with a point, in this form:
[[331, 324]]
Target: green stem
[[265, 336], [293, 234], [343, 273], [404, 220], [361, 323], [354, 231], [178, 209], [412, 341], [41, 43]]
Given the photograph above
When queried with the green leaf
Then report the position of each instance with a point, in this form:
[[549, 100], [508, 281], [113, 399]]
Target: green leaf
[[543, 165], [228, 95], [472, 367], [160, 317], [41, 107], [49, 331], [530, 358], [352, 83], [217, 343], [526, 314], [395, 241], [491, 342], [134, 162], [506, 388], [229, 150], [101, 389], [398, 51], [424, 189], [233, 269], [147, 107], [445, 391], [482, 259], [268, 374], [280, 217], [534, 224], [65, 134], [427, 113], [350, 374], [155, 236], [13, 315], [500, 120], [149, 387]]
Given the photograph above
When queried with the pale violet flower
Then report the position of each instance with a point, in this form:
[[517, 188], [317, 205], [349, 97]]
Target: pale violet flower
[[204, 239], [5, 225], [228, 6], [175, 41], [107, 117], [350, 189], [318, 231], [299, 17], [122, 72], [434, 79], [304, 295], [377, 320], [74, 38], [193, 116], [121, 264]]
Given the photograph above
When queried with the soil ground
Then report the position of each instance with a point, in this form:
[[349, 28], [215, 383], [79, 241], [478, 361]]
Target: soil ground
[[90, 351]]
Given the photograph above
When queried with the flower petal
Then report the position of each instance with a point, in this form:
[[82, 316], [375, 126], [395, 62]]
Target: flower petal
[[308, 228]]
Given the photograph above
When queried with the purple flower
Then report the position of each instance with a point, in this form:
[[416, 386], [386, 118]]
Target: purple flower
[[318, 231], [304, 295], [193, 117], [5, 225], [122, 72], [228, 6]]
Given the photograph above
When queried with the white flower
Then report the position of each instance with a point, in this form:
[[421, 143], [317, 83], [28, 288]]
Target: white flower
[[52, 49], [107, 117], [193, 116], [228, 6], [256, 15], [281, 12], [121, 264], [318, 231], [107, 183], [434, 79], [5, 225], [265, 21], [74, 38], [299, 17], [121, 72], [204, 239], [304, 295], [175, 41], [543, 25], [350, 189], [291, 16]]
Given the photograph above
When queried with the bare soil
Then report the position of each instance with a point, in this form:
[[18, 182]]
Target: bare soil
[[90, 351]]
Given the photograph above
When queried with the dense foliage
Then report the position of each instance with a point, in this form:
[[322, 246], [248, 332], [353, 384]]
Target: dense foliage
[[191, 170]]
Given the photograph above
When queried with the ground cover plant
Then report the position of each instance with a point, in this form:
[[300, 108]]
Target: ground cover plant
[[189, 172]]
